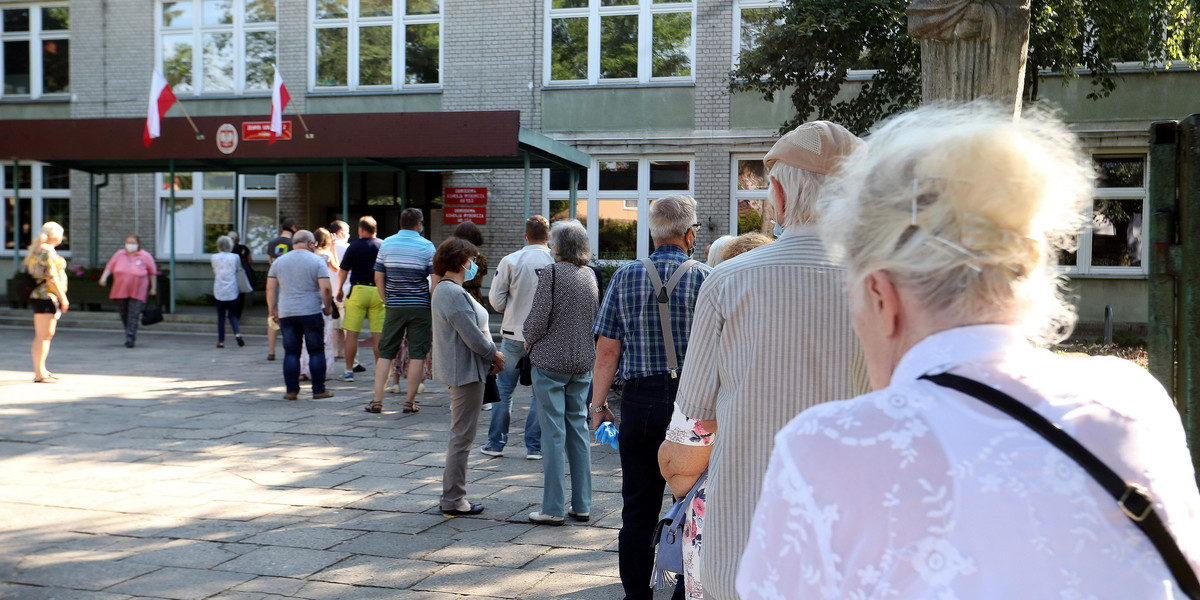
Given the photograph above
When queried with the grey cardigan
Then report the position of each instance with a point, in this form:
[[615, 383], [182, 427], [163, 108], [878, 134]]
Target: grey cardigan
[[462, 352], [559, 325]]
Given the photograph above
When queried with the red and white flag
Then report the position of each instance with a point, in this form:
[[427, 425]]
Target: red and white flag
[[161, 99], [279, 100]]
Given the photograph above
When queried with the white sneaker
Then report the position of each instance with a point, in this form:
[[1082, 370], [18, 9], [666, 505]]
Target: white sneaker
[[490, 452], [393, 389], [534, 456], [420, 388], [487, 407], [541, 519]]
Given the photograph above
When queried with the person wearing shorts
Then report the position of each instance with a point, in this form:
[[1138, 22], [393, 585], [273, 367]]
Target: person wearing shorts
[[402, 268], [357, 268]]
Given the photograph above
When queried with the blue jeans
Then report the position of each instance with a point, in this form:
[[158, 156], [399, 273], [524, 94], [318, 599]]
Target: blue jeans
[[226, 307], [563, 415], [646, 407], [506, 380], [308, 330]]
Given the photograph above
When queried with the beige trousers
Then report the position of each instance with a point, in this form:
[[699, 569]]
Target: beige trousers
[[465, 404]]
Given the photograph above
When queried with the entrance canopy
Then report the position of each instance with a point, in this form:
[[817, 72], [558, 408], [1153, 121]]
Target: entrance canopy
[[357, 142]]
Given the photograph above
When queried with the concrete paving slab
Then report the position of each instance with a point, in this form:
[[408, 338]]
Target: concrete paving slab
[[304, 535], [482, 581], [394, 545], [281, 561], [181, 584], [582, 562], [378, 571], [576, 587], [31, 592], [82, 575]]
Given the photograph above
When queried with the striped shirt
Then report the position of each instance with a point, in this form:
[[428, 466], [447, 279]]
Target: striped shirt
[[406, 260], [629, 313], [773, 336]]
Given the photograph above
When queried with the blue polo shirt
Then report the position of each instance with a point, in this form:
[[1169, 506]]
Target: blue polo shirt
[[406, 260]]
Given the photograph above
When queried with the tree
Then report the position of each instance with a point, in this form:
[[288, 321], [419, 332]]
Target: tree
[[807, 47]]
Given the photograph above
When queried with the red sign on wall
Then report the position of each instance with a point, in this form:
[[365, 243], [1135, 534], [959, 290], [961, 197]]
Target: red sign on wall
[[453, 215], [465, 195], [260, 131]]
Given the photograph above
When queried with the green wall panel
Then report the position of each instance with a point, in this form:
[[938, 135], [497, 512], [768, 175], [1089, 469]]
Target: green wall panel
[[382, 103], [35, 110], [1139, 96], [618, 109], [1128, 297]]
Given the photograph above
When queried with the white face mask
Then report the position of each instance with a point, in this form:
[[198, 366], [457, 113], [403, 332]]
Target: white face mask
[[131, 247]]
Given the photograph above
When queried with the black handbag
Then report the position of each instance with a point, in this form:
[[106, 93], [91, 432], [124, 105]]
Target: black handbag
[[525, 366], [1133, 499], [152, 314], [491, 391]]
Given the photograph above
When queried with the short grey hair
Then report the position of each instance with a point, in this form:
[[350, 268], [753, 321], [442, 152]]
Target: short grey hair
[[303, 236], [233, 235], [570, 241], [800, 191], [671, 216], [225, 244]]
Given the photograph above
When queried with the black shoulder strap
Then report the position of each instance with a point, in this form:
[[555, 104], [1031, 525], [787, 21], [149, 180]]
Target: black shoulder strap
[[1133, 499]]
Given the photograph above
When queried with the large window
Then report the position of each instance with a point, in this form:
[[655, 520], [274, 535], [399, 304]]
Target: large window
[[205, 210], [749, 210], [751, 19], [35, 194], [618, 191], [375, 44], [1113, 244], [35, 50], [217, 46], [590, 41]]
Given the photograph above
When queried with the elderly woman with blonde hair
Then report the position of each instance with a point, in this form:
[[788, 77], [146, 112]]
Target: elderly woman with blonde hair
[[48, 299], [930, 486]]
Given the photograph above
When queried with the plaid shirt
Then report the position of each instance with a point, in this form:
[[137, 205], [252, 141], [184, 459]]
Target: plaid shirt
[[629, 313]]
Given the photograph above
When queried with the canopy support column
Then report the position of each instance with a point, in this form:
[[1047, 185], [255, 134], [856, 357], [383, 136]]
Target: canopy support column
[[171, 186], [16, 186], [526, 156], [345, 191], [94, 219], [403, 189], [237, 206], [573, 211]]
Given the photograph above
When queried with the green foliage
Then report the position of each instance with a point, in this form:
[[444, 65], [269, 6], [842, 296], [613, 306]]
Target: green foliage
[[810, 45], [749, 220], [618, 239]]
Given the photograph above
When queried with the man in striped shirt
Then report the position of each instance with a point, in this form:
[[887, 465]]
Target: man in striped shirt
[[402, 268], [773, 336], [631, 346]]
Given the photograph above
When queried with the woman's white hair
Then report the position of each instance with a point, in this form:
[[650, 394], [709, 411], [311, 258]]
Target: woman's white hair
[[570, 239], [801, 189], [225, 244], [671, 216], [714, 250], [967, 209]]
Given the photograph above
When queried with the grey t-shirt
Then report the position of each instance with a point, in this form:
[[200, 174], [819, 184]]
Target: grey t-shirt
[[296, 275]]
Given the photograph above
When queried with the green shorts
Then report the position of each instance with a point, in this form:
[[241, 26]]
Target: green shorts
[[416, 322], [363, 303]]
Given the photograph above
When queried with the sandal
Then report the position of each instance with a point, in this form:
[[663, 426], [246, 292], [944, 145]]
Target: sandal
[[411, 408], [49, 378], [220, 344], [374, 407]]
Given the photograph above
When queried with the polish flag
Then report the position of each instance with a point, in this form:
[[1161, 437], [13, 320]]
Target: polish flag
[[161, 99], [279, 100]]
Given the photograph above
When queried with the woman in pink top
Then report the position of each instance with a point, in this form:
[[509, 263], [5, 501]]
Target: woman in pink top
[[133, 272]]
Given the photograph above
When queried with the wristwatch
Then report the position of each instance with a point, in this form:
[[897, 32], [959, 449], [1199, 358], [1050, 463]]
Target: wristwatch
[[599, 409]]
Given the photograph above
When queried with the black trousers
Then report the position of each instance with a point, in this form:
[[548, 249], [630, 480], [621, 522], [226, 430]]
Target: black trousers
[[646, 407], [131, 316]]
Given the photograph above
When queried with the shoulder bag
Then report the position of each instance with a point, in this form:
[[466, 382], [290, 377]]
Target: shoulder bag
[[668, 538], [243, 280], [1133, 499]]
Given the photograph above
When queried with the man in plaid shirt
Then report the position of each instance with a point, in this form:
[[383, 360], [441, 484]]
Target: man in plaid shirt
[[631, 346]]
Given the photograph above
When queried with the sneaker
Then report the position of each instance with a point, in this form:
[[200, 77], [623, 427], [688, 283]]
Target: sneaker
[[420, 388], [535, 455], [490, 451], [358, 368], [578, 516], [347, 376], [393, 389], [541, 519], [487, 407]]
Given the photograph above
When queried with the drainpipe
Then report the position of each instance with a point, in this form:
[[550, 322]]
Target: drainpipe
[[94, 219], [16, 186]]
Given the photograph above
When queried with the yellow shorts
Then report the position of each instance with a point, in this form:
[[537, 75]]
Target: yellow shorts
[[363, 303]]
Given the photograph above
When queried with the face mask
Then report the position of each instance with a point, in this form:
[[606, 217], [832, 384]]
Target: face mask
[[472, 271], [131, 247], [778, 228]]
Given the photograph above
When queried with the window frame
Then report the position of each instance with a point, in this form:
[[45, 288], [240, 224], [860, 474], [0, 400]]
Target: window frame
[[35, 36], [1083, 256], [645, 10], [198, 194], [736, 194], [239, 29], [739, 5], [593, 195], [37, 194], [398, 21]]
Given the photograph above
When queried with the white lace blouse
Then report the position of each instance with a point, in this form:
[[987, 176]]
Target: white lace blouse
[[917, 491]]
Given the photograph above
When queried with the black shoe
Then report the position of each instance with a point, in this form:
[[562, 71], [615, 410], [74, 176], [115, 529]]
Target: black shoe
[[359, 368], [475, 509], [240, 341], [128, 343]]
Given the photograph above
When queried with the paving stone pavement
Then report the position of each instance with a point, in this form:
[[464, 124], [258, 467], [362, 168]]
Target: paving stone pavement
[[176, 470]]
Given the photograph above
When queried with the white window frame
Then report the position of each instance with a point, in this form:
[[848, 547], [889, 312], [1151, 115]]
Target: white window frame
[[645, 9], [1083, 255], [739, 5], [36, 194], [35, 36], [198, 195], [238, 29], [643, 193], [736, 195], [353, 23]]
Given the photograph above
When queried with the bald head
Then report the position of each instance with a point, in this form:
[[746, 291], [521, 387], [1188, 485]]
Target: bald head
[[302, 238]]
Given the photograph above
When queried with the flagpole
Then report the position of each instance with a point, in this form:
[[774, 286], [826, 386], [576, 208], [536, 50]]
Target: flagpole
[[307, 133], [199, 135]]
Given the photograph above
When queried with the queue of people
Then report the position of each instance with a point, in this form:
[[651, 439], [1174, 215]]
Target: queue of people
[[860, 408]]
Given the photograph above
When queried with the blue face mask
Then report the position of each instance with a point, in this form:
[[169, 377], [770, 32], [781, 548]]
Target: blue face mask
[[778, 228], [472, 271]]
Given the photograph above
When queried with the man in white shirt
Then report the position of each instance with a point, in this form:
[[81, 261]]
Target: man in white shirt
[[512, 292], [340, 230]]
